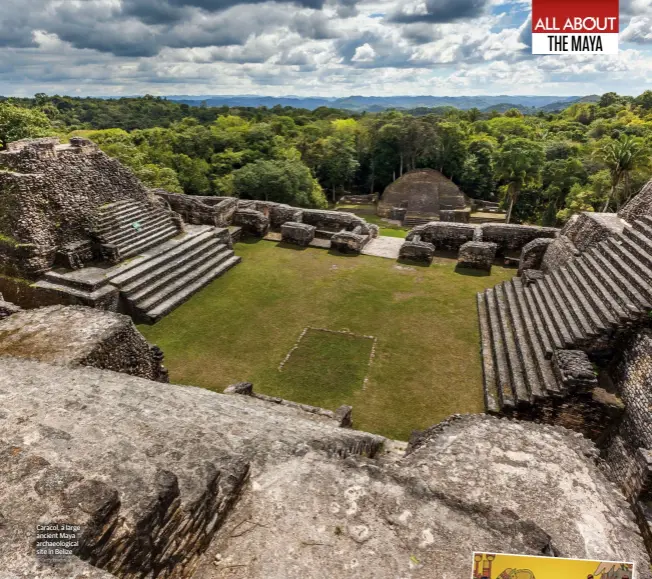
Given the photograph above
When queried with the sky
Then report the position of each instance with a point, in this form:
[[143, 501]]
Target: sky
[[328, 48]]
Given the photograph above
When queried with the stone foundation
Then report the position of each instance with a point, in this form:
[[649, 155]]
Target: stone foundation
[[79, 336], [446, 236], [252, 222], [297, 233], [349, 242], [477, 255], [511, 238], [417, 250], [532, 254]]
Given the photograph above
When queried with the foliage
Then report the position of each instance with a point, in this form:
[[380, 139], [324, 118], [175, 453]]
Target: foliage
[[19, 123], [544, 167]]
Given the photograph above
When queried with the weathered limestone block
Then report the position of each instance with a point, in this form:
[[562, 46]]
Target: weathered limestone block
[[455, 215], [201, 210], [450, 507], [588, 229], [7, 308], [278, 213], [477, 255], [349, 242], [558, 254], [530, 276], [333, 221], [511, 237], [243, 388], [573, 370], [398, 213], [532, 254], [74, 255], [50, 193], [298, 233], [196, 483], [446, 236], [417, 251], [76, 335], [252, 222], [640, 205]]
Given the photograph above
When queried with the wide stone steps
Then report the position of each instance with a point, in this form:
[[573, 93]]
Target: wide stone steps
[[134, 226], [184, 292], [154, 286], [582, 305], [161, 286]]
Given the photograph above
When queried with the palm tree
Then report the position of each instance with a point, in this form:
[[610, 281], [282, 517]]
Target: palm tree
[[622, 156]]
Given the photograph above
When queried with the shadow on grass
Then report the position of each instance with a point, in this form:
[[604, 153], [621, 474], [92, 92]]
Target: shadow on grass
[[249, 240], [472, 272], [340, 254], [286, 245], [413, 262]]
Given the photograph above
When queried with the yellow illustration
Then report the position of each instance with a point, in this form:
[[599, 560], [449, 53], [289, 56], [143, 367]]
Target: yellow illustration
[[501, 566]]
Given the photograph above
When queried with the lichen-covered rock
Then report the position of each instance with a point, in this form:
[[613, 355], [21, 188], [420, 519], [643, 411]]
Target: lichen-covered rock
[[75, 335], [198, 484], [349, 242], [252, 222], [510, 237], [49, 194], [446, 236], [477, 255], [297, 233], [573, 370], [417, 251], [532, 254]]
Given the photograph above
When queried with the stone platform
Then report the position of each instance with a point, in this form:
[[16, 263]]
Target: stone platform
[[155, 281], [384, 246]]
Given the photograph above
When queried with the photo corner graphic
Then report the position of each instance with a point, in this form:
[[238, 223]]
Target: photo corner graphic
[[506, 566], [570, 27]]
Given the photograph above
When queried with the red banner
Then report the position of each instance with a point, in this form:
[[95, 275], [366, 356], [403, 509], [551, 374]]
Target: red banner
[[575, 16]]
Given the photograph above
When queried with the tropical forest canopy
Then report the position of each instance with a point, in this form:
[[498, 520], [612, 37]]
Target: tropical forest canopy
[[543, 167]]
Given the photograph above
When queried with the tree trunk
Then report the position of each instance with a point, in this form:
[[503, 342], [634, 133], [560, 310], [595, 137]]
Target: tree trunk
[[512, 201], [400, 173], [333, 193], [611, 194]]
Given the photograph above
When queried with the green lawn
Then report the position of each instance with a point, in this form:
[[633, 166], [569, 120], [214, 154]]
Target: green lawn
[[240, 328]]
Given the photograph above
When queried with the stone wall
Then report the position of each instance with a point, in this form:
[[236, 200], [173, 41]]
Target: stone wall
[[49, 194], [588, 229], [74, 336], [510, 238], [558, 253], [533, 253], [446, 236], [640, 205], [201, 210], [632, 376]]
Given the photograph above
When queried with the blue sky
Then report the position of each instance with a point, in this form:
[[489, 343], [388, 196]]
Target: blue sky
[[307, 47]]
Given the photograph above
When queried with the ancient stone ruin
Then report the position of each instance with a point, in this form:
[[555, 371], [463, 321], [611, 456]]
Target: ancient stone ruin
[[567, 342], [78, 228], [171, 481]]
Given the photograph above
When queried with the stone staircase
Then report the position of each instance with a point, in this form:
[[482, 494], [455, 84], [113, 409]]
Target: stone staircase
[[413, 220], [128, 227], [154, 287], [583, 305]]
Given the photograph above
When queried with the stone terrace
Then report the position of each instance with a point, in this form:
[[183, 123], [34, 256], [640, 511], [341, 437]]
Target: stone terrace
[[182, 482]]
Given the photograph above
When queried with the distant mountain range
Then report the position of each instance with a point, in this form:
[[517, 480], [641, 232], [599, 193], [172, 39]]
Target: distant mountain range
[[500, 103]]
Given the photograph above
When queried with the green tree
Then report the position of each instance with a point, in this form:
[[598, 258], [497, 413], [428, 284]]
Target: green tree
[[18, 123], [282, 181], [622, 157], [518, 165]]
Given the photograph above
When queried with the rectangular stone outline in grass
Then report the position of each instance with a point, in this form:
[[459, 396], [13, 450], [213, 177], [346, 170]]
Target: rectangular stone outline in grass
[[305, 330]]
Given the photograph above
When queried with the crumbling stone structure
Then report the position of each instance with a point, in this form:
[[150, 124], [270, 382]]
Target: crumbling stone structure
[[49, 197], [477, 255], [79, 336], [201, 210], [253, 222], [444, 236], [548, 338], [532, 254], [298, 233], [130, 461], [417, 250]]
